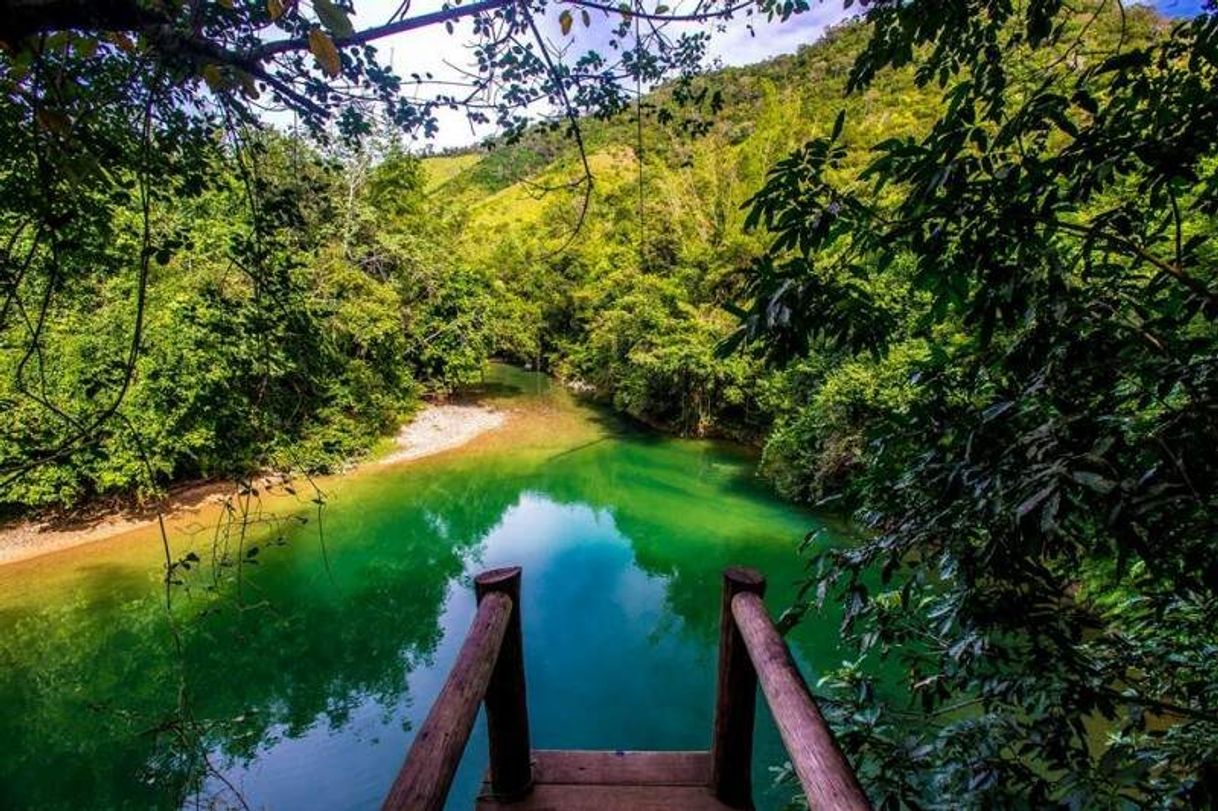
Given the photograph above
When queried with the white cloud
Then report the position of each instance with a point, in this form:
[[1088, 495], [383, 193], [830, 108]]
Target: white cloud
[[741, 46]]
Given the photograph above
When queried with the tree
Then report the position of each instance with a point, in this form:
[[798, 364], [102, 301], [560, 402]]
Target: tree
[[1042, 511], [242, 48], [108, 107]]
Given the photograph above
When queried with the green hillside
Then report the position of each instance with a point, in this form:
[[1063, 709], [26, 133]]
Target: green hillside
[[767, 110], [640, 323], [633, 303], [443, 168]]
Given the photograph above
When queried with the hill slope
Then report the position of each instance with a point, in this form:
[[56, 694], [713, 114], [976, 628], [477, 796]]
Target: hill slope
[[633, 305]]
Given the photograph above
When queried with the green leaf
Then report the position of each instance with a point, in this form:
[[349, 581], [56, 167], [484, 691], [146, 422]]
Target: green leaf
[[1032, 501], [564, 22], [838, 123]]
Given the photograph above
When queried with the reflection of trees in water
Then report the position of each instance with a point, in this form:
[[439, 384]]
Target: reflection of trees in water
[[100, 705], [731, 520]]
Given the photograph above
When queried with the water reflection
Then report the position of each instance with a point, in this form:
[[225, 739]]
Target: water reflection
[[305, 694]]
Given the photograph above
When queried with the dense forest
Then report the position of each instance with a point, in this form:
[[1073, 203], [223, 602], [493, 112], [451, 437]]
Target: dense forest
[[949, 268], [398, 275]]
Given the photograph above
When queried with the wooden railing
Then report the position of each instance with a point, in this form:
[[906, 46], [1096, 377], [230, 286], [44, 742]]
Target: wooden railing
[[490, 669], [751, 650]]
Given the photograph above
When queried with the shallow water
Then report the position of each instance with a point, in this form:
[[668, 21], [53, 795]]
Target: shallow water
[[300, 687]]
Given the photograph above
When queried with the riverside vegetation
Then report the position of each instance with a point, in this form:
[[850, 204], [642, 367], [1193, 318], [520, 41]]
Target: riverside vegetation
[[950, 268]]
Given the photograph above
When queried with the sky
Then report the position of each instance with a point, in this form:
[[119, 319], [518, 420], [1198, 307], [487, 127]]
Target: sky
[[1179, 8], [433, 50]]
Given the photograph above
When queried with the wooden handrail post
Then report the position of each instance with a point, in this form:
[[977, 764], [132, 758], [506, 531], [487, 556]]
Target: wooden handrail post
[[828, 781], [736, 702], [422, 783], [507, 713]]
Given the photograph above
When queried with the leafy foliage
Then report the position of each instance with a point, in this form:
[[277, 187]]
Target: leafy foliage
[[302, 363], [636, 307], [115, 113], [1040, 486]]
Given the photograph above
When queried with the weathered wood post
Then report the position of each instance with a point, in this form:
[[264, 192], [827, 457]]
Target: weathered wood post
[[422, 783], [736, 703], [828, 781], [507, 714]]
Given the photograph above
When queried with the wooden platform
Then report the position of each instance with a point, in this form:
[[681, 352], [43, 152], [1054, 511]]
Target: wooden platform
[[490, 671], [614, 781]]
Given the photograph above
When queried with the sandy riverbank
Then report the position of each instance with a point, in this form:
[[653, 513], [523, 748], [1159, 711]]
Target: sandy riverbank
[[435, 429], [439, 428]]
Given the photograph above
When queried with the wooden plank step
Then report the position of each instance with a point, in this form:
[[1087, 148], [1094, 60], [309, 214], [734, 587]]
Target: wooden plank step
[[621, 768], [547, 797], [625, 781]]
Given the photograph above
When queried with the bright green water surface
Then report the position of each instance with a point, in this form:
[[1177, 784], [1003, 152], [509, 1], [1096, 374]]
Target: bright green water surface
[[303, 690]]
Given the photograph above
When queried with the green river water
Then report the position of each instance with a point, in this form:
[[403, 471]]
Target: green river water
[[302, 689]]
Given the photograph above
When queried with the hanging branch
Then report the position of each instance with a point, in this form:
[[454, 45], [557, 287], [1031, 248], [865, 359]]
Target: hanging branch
[[86, 430], [576, 133], [638, 127]]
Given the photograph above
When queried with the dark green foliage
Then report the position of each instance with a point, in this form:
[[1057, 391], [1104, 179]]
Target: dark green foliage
[[287, 334], [1042, 497]]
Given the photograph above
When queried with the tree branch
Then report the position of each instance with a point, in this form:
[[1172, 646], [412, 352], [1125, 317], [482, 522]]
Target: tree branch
[[458, 12], [697, 16], [1177, 273], [23, 18], [377, 32]]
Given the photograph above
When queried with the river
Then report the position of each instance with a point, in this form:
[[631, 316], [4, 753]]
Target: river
[[299, 684]]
